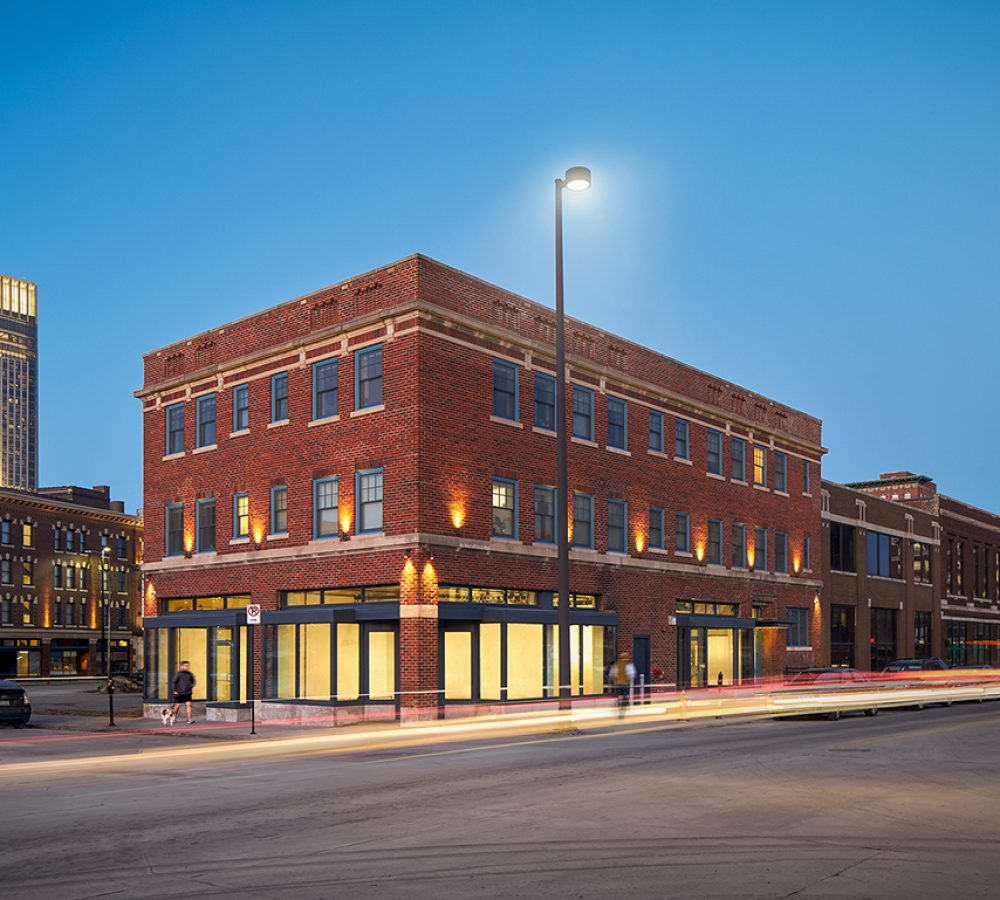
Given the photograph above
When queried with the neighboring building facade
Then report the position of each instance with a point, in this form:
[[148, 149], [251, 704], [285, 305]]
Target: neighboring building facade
[[18, 384], [969, 580], [374, 465], [881, 573], [54, 584]]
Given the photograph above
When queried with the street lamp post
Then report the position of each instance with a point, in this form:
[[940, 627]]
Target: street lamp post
[[106, 628], [577, 178]]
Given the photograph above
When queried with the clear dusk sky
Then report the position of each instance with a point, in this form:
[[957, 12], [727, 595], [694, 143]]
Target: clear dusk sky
[[801, 198]]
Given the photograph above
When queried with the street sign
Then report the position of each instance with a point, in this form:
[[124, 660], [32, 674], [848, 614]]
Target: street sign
[[253, 614]]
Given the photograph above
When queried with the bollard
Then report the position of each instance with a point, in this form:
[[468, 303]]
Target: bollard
[[111, 702]]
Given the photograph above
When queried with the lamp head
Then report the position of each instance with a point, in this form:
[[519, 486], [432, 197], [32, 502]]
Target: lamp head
[[577, 178]]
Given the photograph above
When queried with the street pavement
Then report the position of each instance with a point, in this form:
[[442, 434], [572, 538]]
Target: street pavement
[[902, 805]]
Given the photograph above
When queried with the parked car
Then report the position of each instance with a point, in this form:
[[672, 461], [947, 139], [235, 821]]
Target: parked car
[[15, 707], [898, 669], [932, 663], [824, 686]]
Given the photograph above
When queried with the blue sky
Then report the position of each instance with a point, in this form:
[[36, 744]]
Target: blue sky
[[802, 198]]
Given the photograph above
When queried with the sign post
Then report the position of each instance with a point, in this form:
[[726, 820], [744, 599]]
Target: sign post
[[253, 618]]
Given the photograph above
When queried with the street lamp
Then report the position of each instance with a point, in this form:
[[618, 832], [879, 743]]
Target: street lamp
[[576, 178], [106, 627]]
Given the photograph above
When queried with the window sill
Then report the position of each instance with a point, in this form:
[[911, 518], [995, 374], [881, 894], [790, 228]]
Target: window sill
[[544, 431], [503, 539], [738, 481], [762, 487], [887, 578], [204, 449], [800, 649], [367, 410], [658, 453], [313, 423], [661, 550], [618, 450], [806, 494], [280, 536], [686, 553], [239, 433], [583, 442], [683, 460], [509, 422], [778, 493], [715, 475], [278, 424], [173, 456], [240, 540]]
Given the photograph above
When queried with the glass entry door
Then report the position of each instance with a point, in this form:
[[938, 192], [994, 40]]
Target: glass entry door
[[706, 654]]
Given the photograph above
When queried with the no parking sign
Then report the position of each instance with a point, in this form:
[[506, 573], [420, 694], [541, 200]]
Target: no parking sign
[[253, 614]]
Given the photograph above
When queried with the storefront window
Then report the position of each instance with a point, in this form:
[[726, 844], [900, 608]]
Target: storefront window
[[348, 661], [314, 661], [458, 665], [489, 661], [381, 665], [525, 657]]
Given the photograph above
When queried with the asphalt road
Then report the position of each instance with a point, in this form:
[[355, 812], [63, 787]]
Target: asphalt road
[[903, 805]]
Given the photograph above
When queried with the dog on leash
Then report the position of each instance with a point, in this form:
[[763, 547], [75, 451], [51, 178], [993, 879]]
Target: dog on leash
[[168, 715]]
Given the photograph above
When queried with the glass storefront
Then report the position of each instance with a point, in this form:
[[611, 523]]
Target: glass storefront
[[708, 656], [20, 658], [215, 652]]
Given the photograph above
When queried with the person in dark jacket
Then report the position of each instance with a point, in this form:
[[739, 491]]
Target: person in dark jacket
[[183, 689]]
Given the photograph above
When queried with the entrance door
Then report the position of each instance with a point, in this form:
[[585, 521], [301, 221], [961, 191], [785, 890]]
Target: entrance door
[[640, 657], [721, 653], [883, 637]]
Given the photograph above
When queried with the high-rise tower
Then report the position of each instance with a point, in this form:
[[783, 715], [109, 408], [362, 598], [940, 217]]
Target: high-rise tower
[[18, 385]]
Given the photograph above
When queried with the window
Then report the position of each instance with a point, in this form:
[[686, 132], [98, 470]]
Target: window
[[81, 542], [5, 532], [739, 546], [326, 522], [324, 389], [121, 550], [921, 634], [682, 532], [807, 553], [368, 494], [57, 571], [760, 465], [780, 551], [583, 520], [682, 448], [84, 579], [57, 539], [121, 582], [241, 407], [885, 555], [583, 413], [545, 401], [655, 528], [279, 397], [780, 471], [715, 542], [279, 509], [105, 582], [504, 508], [714, 451], [70, 578], [28, 535], [841, 547], [175, 428], [5, 572], [921, 562], [504, 390], [368, 374], [241, 516], [175, 529], [806, 477], [617, 531], [798, 626], [617, 423], [205, 415], [545, 514], [656, 431], [204, 513], [28, 572], [738, 453]]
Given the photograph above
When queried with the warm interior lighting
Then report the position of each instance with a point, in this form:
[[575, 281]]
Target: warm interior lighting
[[577, 178], [457, 511]]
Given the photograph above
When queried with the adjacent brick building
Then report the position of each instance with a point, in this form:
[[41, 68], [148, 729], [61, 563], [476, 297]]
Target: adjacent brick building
[[56, 583], [373, 464]]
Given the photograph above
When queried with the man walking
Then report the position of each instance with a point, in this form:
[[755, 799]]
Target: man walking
[[183, 689], [622, 676]]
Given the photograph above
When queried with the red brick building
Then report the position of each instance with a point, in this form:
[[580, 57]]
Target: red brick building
[[373, 464]]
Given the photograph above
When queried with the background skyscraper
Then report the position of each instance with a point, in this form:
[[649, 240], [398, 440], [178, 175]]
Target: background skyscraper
[[18, 384]]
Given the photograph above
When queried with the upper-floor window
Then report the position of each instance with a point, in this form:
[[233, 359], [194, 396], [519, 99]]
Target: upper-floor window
[[760, 465], [326, 522], [122, 581], [368, 493], [885, 555], [28, 534], [175, 428], [81, 542], [70, 579], [656, 430], [5, 532], [6, 576], [279, 397], [617, 530], [583, 520], [682, 532], [806, 477], [780, 551], [739, 546], [324, 389], [241, 407], [545, 514], [798, 626], [841, 547], [56, 538], [204, 513], [205, 413], [617, 423], [57, 571], [368, 374], [715, 541], [84, 578], [504, 508], [714, 451], [807, 553], [28, 573], [545, 402], [279, 509], [583, 413], [504, 390], [682, 443], [121, 550], [921, 562], [241, 516], [780, 471], [656, 528], [738, 459]]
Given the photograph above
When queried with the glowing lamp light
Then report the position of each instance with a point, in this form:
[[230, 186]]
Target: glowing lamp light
[[640, 542], [699, 551], [345, 523], [188, 543], [457, 512], [577, 178], [796, 563], [750, 557], [258, 533]]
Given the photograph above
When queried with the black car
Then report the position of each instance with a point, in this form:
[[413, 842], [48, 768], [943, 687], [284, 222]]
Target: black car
[[916, 665], [15, 707], [813, 691], [905, 666]]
